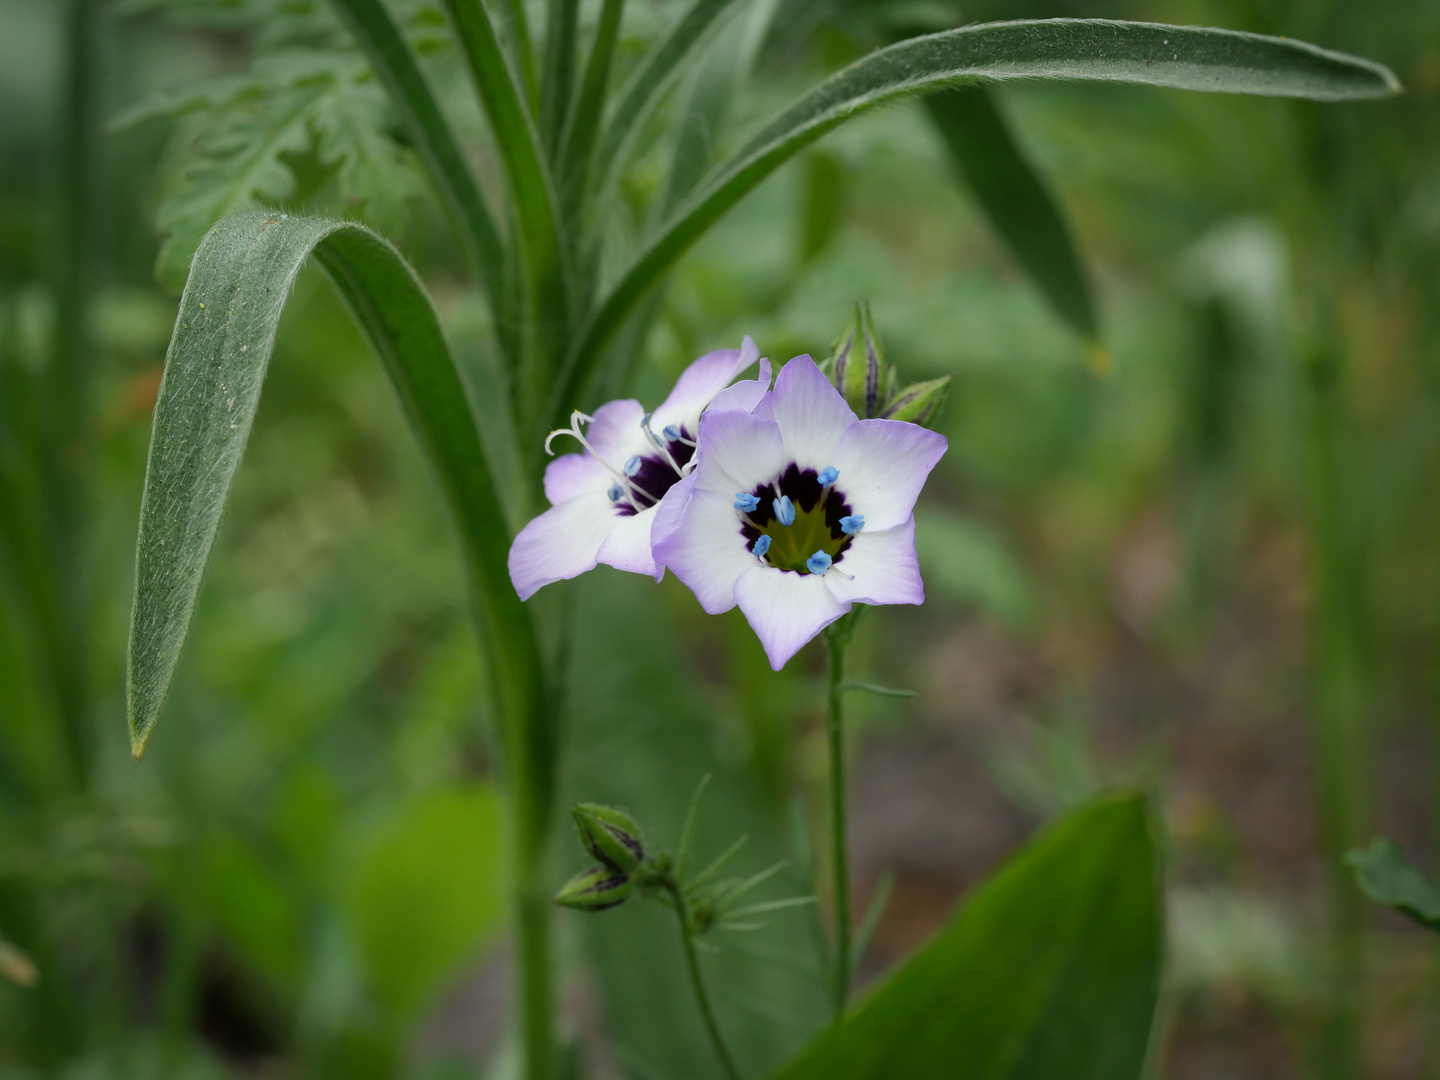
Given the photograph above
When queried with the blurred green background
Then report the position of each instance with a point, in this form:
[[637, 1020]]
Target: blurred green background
[[1205, 560]]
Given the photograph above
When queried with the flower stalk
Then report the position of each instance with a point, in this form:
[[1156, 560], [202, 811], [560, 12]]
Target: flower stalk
[[837, 641], [697, 977]]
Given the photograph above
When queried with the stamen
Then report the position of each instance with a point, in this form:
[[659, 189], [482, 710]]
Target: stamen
[[762, 545], [632, 466], [745, 503], [615, 492], [828, 475], [645, 425], [852, 524], [785, 510], [672, 433], [818, 563]]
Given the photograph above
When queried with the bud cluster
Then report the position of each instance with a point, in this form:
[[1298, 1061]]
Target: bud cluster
[[857, 368], [613, 839]]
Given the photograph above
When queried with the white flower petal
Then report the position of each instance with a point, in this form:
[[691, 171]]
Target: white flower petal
[[706, 549], [628, 545], [737, 452], [747, 393], [785, 609], [699, 383], [575, 474], [884, 567], [668, 516], [616, 434], [811, 413], [883, 465], [561, 543]]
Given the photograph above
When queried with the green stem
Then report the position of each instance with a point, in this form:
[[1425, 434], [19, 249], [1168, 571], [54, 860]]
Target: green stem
[[837, 640], [697, 981]]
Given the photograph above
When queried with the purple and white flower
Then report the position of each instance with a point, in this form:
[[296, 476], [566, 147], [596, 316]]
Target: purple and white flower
[[603, 500], [797, 510]]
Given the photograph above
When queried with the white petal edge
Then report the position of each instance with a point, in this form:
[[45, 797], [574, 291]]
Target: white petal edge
[[559, 544], [745, 394], [883, 465], [699, 383], [785, 609], [884, 567]]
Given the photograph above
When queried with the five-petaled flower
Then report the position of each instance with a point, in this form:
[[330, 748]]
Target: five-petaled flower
[[604, 499], [797, 510]]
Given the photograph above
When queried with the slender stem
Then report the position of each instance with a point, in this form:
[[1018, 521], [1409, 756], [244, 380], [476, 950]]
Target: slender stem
[[838, 641], [697, 981]]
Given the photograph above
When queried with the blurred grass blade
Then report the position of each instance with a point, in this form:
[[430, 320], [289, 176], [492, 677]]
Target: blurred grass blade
[[378, 36], [1015, 200], [1051, 969], [214, 370], [643, 90], [557, 77], [531, 187], [1188, 58], [1388, 878], [583, 126]]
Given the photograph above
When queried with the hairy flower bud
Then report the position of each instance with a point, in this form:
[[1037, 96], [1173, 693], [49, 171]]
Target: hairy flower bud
[[919, 403], [596, 889], [857, 365], [609, 836]]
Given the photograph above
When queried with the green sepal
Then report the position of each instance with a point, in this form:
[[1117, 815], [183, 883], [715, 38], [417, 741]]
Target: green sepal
[[856, 365], [919, 403], [596, 889], [609, 836]]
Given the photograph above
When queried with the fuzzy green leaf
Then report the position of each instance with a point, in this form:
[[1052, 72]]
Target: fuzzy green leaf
[[1051, 969], [1189, 58], [1388, 878], [214, 369]]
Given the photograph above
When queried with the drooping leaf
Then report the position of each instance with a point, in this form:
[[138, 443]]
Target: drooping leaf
[[1015, 200], [1052, 968], [1389, 878], [1189, 58], [214, 370]]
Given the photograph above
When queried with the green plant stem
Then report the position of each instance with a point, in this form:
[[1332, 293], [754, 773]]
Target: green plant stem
[[697, 981], [837, 641]]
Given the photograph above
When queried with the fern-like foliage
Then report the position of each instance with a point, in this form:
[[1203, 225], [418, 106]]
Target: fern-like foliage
[[306, 125]]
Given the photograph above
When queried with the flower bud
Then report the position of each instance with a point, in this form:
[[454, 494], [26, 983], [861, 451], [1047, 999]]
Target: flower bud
[[609, 836], [919, 403], [857, 365], [596, 889]]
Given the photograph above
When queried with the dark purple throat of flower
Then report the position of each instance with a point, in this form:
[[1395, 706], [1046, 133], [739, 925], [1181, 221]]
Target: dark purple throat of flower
[[800, 521]]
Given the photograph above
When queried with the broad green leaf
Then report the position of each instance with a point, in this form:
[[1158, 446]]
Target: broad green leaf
[[647, 85], [427, 893], [1389, 878], [1051, 969], [1188, 58], [214, 369], [1015, 200], [434, 142]]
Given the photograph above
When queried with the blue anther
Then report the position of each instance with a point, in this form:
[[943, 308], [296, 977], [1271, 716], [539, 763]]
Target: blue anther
[[828, 475], [785, 510], [632, 466], [818, 563], [852, 524], [762, 545], [615, 492], [671, 433], [745, 503]]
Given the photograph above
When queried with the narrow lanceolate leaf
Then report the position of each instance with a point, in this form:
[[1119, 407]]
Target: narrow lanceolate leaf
[[392, 60], [1188, 58], [1051, 969], [1015, 200], [643, 90], [1389, 878], [239, 282]]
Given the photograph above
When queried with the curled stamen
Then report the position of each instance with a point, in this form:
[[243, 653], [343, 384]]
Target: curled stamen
[[818, 563], [576, 418], [632, 466], [852, 524], [828, 475], [785, 510]]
